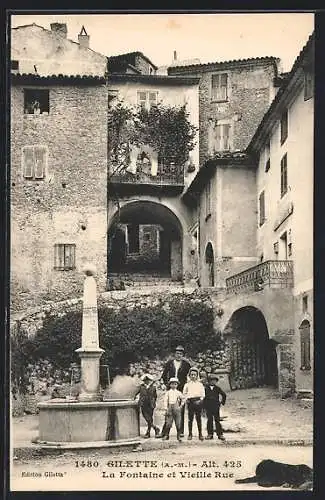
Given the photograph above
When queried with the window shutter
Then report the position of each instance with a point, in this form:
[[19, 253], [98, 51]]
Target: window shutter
[[226, 137], [262, 208], [218, 132], [142, 98], [152, 98], [40, 160], [28, 162], [214, 87], [223, 86]]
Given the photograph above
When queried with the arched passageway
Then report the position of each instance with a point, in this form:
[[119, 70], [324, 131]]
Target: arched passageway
[[209, 259], [145, 237], [252, 353]]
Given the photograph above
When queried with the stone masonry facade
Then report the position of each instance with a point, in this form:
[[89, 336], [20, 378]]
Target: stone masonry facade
[[68, 205], [250, 88]]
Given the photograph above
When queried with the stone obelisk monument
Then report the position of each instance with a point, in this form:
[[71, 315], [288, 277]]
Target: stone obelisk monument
[[89, 352]]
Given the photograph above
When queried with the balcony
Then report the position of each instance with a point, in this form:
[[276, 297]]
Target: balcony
[[271, 274], [169, 180]]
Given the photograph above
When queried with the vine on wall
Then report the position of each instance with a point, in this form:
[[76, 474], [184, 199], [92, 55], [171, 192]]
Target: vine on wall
[[166, 129]]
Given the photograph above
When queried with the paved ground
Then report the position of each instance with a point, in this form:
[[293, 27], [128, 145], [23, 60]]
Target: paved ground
[[205, 466], [258, 414]]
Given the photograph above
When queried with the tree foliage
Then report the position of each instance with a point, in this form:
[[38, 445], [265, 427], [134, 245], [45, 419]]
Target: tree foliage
[[167, 129], [148, 332]]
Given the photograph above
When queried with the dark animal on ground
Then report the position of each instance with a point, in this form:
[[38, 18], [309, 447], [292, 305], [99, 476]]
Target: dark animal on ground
[[270, 473]]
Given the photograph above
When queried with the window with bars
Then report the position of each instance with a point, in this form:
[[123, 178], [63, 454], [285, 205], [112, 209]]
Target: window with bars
[[36, 101], [34, 160], [222, 137], [305, 345], [284, 175], [64, 256], [262, 208], [219, 87], [284, 126], [146, 99], [267, 154]]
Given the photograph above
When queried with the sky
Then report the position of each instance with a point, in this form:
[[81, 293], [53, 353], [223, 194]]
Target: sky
[[208, 37]]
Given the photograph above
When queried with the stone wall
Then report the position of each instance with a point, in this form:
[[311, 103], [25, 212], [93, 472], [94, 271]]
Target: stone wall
[[67, 206], [249, 91]]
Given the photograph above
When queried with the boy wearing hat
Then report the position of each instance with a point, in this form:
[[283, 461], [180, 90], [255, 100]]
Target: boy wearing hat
[[147, 402], [194, 393], [212, 406], [173, 403]]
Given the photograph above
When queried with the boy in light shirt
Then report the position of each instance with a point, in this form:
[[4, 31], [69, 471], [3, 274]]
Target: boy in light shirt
[[194, 393], [173, 403]]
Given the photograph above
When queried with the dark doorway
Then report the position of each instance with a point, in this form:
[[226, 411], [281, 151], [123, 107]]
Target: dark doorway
[[209, 259], [252, 354]]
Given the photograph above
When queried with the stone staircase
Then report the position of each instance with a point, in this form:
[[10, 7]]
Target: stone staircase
[[140, 280]]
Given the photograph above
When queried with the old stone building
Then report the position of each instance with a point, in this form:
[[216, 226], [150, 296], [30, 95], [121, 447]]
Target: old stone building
[[225, 218], [58, 185], [254, 213]]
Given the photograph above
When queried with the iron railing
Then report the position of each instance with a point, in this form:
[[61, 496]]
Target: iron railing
[[162, 178], [272, 274]]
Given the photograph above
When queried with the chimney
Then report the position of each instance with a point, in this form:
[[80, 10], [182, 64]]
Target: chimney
[[175, 55], [60, 29], [83, 38]]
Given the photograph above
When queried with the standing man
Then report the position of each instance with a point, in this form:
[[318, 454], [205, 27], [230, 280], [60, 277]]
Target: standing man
[[177, 367]]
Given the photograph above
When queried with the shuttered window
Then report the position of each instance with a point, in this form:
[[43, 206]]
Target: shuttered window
[[284, 175], [219, 87], [262, 208], [147, 99], [34, 160], [305, 345], [222, 137], [64, 256], [284, 126]]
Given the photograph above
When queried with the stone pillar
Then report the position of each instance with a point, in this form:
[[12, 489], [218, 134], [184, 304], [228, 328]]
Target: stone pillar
[[90, 352], [286, 369]]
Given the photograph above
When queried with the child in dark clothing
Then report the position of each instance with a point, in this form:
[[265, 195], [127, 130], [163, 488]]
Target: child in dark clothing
[[147, 403], [212, 406]]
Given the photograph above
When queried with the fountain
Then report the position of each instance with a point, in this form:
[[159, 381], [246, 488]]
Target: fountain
[[88, 421]]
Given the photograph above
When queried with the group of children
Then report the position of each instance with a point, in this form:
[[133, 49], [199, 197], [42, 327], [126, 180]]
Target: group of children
[[196, 395]]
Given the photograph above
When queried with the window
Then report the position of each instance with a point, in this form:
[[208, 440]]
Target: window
[[219, 84], [284, 126], [36, 101], [208, 200], [133, 238], [308, 85], [64, 256], [276, 249], [267, 157], [305, 303], [284, 175], [284, 246], [14, 65], [147, 99], [305, 345], [262, 208], [222, 137], [34, 160]]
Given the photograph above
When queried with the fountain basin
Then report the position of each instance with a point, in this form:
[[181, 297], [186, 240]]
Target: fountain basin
[[103, 423]]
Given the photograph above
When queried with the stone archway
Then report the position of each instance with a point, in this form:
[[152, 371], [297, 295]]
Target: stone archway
[[253, 359], [209, 259], [151, 242]]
